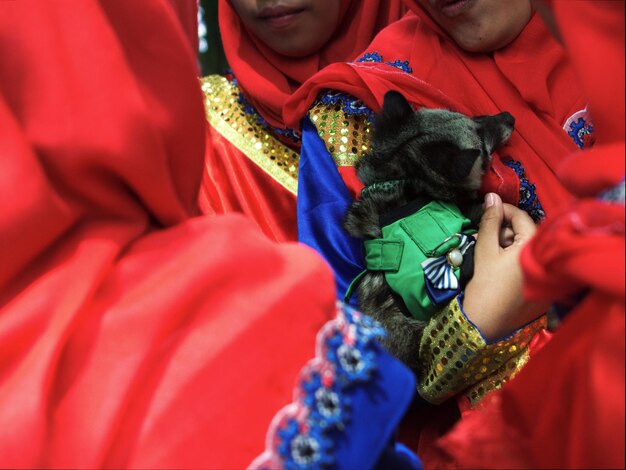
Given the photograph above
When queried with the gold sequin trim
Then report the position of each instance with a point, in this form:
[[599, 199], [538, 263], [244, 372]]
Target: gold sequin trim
[[498, 378], [455, 357], [226, 115], [346, 136]]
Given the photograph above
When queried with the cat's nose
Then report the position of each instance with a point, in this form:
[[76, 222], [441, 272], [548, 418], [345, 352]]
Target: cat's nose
[[505, 118]]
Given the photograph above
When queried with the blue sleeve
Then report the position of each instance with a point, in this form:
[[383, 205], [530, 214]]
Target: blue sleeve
[[322, 203]]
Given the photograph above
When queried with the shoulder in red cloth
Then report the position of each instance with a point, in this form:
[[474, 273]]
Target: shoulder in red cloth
[[132, 334]]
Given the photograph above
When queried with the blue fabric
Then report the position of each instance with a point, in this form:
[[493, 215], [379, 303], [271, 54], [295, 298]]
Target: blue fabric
[[440, 296], [397, 456], [378, 407], [348, 403], [323, 200]]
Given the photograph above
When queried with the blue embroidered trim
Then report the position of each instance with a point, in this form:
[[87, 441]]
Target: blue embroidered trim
[[578, 130], [376, 57], [345, 357], [402, 65], [370, 57], [291, 134], [349, 104], [528, 200]]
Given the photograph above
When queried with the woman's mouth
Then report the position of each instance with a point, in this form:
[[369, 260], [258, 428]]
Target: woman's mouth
[[280, 17], [454, 7]]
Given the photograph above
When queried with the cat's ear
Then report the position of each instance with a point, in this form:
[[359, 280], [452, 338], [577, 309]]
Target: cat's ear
[[395, 108], [460, 167]]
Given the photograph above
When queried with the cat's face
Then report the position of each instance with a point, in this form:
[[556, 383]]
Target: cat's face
[[438, 145]]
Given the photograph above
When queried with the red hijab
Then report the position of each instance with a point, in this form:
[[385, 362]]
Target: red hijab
[[530, 78], [268, 79]]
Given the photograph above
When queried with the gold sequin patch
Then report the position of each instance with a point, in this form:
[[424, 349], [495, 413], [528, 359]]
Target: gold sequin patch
[[346, 136], [226, 115], [455, 357]]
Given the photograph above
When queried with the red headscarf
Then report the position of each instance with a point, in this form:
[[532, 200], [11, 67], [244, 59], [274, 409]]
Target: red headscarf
[[268, 79], [132, 336], [530, 78]]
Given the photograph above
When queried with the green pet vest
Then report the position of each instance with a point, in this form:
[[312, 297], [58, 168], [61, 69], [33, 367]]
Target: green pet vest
[[406, 243]]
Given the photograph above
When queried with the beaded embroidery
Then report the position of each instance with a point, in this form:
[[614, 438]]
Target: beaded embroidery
[[376, 57], [228, 115], [343, 121], [528, 200], [344, 124], [580, 128], [456, 358], [345, 357]]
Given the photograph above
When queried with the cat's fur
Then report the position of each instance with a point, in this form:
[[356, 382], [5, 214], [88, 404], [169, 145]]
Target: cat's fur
[[436, 154]]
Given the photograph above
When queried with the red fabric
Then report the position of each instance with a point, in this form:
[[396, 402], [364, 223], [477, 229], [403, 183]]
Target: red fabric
[[234, 183], [584, 247], [132, 335], [187, 13], [530, 78], [566, 407], [268, 79]]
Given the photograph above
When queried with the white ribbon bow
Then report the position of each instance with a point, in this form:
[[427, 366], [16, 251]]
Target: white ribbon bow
[[439, 271]]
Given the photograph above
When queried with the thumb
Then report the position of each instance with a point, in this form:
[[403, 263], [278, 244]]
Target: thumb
[[489, 230]]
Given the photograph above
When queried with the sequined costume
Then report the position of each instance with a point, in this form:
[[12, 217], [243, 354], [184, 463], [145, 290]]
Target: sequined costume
[[249, 167], [251, 162]]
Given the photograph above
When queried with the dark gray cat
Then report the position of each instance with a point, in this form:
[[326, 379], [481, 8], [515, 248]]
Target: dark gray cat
[[425, 155]]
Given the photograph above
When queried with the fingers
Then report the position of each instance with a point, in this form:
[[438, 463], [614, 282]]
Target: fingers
[[522, 224], [507, 236], [489, 230]]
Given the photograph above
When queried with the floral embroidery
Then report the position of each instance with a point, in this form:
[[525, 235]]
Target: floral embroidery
[[528, 199], [290, 134], [298, 438], [402, 65], [350, 105], [376, 57], [580, 128], [370, 57]]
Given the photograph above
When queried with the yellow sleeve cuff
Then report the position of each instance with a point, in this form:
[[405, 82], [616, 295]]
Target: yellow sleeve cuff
[[456, 358]]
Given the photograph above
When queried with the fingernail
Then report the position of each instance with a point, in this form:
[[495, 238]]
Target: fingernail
[[490, 200]]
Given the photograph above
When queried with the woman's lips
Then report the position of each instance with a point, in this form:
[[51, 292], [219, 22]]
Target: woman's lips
[[454, 7], [280, 17]]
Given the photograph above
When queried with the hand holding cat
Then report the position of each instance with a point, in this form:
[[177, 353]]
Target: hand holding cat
[[493, 299]]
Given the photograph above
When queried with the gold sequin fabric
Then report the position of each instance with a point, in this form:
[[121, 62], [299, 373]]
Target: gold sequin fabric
[[226, 115], [455, 358], [346, 135]]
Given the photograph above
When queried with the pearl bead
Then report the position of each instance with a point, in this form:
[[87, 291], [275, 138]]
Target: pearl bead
[[454, 257]]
